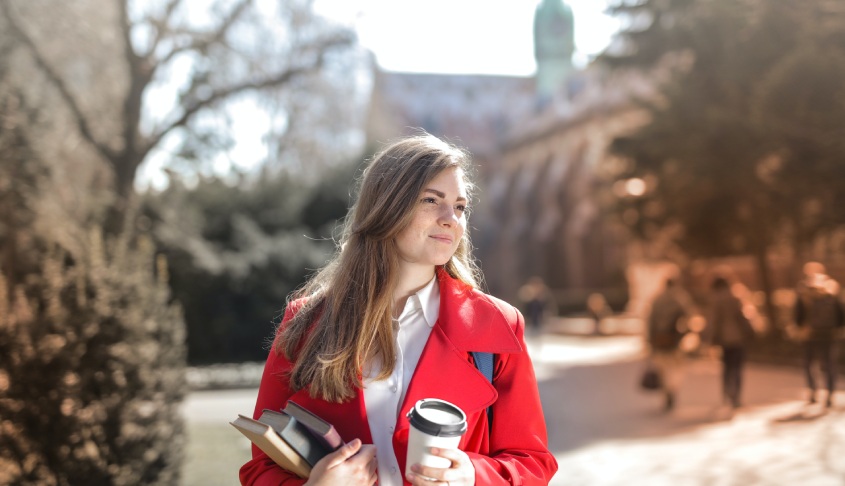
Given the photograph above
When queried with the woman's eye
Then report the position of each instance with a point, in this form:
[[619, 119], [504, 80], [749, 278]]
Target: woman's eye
[[429, 200], [461, 207]]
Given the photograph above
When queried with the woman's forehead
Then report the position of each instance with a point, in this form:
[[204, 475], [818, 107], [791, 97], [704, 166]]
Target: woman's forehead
[[451, 178]]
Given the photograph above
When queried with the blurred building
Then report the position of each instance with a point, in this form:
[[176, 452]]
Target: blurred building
[[549, 195], [474, 111], [540, 144]]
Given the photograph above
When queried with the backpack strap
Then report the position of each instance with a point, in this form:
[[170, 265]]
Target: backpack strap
[[484, 363]]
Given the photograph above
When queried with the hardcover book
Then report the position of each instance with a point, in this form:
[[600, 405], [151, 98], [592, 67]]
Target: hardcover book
[[322, 430], [296, 435], [265, 438], [294, 438]]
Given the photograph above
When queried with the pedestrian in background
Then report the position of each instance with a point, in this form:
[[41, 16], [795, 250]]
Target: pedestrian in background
[[730, 329], [535, 297], [665, 331], [598, 309], [393, 319], [819, 315]]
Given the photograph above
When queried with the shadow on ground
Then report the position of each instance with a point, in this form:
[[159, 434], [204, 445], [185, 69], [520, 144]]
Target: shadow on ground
[[597, 402]]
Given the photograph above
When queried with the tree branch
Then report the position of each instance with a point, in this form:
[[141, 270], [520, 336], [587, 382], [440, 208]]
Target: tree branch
[[203, 42], [56, 80], [161, 26], [140, 75], [279, 79]]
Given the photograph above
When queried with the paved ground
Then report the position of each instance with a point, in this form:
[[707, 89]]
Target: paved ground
[[605, 431]]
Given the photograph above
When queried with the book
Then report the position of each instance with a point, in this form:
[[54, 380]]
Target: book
[[296, 435], [266, 438], [323, 431]]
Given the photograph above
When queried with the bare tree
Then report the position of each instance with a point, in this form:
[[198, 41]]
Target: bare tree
[[222, 51]]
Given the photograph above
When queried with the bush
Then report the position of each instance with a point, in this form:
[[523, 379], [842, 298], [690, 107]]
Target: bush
[[91, 353]]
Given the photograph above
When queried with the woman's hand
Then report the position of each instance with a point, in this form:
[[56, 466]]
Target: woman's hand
[[351, 465], [461, 473]]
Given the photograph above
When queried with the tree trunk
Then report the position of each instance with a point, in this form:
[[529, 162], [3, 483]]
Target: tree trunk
[[125, 167]]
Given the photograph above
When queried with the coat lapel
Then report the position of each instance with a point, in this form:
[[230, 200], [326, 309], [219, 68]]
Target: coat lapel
[[468, 321]]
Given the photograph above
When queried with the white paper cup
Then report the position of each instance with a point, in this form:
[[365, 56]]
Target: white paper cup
[[434, 423]]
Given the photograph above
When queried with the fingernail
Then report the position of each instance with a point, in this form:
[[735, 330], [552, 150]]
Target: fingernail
[[415, 468]]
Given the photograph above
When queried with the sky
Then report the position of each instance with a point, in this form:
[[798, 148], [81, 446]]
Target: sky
[[430, 36], [463, 36]]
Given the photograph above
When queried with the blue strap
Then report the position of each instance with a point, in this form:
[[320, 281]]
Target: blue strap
[[484, 363]]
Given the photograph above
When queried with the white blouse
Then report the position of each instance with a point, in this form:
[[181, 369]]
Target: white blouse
[[384, 397]]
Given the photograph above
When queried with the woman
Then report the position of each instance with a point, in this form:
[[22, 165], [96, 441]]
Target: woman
[[730, 329], [393, 319]]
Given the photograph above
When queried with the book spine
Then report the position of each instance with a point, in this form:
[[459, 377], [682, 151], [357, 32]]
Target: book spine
[[299, 438], [331, 440]]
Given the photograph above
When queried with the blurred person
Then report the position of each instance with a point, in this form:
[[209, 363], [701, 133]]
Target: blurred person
[[535, 296], [598, 309], [820, 317], [392, 319], [729, 329], [664, 334]]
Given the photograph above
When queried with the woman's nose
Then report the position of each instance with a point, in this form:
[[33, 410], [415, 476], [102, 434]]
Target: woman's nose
[[448, 215]]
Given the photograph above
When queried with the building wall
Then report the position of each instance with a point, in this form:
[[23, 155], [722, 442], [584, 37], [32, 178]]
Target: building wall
[[546, 216]]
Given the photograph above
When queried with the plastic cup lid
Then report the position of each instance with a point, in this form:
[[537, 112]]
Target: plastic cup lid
[[438, 418]]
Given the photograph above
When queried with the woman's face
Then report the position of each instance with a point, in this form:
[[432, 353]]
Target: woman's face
[[438, 223]]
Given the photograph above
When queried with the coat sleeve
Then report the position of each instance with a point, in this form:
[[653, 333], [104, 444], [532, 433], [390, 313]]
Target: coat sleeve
[[519, 453], [273, 393]]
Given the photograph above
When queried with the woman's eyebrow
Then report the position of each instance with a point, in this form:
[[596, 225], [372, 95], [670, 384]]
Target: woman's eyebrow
[[442, 195]]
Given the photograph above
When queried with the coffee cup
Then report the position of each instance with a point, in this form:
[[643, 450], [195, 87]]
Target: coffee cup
[[434, 423]]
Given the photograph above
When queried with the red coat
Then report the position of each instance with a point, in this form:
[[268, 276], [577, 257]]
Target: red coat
[[516, 453]]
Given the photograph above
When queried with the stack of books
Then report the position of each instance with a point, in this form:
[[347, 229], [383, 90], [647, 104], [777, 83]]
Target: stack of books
[[295, 438]]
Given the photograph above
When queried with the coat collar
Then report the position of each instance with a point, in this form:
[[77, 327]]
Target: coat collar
[[472, 320]]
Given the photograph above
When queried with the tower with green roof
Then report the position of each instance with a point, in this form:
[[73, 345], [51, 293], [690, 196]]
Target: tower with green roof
[[554, 44]]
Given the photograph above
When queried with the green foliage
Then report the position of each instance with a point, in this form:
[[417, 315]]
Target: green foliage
[[236, 251], [91, 353]]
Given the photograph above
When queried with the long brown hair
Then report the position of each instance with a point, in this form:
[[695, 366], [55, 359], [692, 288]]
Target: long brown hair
[[346, 317]]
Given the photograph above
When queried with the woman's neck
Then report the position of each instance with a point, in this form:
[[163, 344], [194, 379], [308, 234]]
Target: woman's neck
[[411, 279]]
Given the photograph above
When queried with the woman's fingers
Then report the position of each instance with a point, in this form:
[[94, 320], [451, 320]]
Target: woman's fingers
[[454, 455], [373, 470], [341, 455], [458, 473]]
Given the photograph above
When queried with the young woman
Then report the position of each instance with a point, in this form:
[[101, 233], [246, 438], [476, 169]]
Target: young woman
[[393, 319]]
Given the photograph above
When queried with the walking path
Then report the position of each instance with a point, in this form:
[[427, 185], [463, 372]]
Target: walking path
[[605, 431]]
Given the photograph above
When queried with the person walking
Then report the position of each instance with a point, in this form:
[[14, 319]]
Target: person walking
[[730, 329], [393, 319], [598, 309], [535, 297], [664, 337], [819, 314]]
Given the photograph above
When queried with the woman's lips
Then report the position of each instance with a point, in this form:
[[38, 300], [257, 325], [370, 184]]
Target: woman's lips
[[443, 238]]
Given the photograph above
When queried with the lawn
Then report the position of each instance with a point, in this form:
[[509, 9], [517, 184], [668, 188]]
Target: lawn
[[215, 450]]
